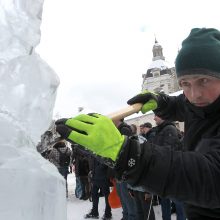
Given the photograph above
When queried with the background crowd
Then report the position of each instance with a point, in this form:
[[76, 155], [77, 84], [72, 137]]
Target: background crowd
[[95, 180]]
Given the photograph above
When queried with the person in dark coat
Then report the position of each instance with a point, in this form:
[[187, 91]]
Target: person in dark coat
[[191, 176], [127, 202], [146, 131], [81, 169], [142, 199], [100, 185], [166, 134]]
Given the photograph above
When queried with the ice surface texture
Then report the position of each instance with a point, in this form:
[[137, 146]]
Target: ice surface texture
[[30, 188]]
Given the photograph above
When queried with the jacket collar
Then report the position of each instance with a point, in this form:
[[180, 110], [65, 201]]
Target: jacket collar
[[209, 110]]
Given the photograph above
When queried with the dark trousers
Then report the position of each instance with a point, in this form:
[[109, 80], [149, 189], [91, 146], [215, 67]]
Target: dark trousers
[[166, 209], [127, 202], [85, 187], [78, 189], [180, 214], [144, 206], [95, 198]]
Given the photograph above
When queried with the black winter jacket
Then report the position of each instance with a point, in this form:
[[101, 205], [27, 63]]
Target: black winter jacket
[[166, 134], [80, 160], [192, 176], [100, 173]]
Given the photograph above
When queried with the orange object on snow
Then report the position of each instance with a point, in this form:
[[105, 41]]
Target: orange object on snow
[[113, 198]]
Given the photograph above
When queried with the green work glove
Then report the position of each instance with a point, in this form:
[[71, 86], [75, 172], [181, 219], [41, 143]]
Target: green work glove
[[96, 133], [147, 98]]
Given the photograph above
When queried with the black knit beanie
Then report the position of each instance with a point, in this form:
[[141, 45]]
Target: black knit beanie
[[200, 50]]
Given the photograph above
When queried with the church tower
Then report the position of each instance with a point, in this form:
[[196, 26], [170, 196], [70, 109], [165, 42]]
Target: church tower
[[160, 75], [157, 51]]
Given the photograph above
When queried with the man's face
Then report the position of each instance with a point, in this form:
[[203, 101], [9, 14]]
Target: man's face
[[158, 120], [200, 90], [144, 130]]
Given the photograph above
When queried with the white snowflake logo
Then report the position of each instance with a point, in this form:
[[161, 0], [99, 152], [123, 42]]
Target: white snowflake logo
[[131, 162]]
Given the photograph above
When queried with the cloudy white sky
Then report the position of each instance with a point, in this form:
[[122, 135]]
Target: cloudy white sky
[[100, 48]]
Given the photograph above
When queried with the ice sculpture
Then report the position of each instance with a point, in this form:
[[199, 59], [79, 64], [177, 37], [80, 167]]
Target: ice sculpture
[[30, 187]]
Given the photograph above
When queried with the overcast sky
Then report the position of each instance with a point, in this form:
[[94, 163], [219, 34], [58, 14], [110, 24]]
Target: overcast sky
[[100, 49]]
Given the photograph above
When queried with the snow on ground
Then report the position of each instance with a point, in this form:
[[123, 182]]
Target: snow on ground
[[76, 209]]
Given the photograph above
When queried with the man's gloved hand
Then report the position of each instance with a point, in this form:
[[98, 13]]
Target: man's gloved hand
[[147, 98], [95, 132]]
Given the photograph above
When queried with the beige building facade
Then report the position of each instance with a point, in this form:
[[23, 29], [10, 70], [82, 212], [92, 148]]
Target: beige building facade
[[160, 77]]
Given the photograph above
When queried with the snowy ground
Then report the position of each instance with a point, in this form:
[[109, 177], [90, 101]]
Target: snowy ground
[[76, 209]]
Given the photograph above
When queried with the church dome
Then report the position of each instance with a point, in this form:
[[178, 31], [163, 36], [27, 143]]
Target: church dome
[[160, 64]]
